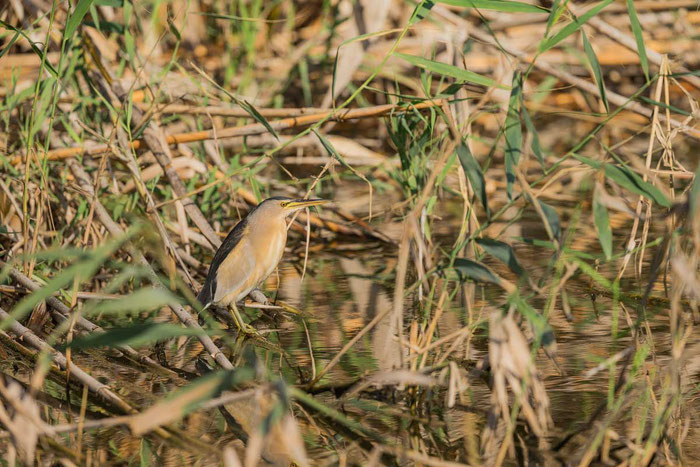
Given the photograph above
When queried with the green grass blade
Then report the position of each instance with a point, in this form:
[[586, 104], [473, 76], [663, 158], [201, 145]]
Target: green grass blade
[[79, 271], [663, 105], [551, 217], [9, 44], [449, 70], [638, 37], [628, 179], [136, 335], [145, 453], [145, 299], [497, 5], [624, 177], [602, 225], [597, 72], [244, 104], [76, 17], [253, 112], [572, 27], [554, 15], [141, 300], [474, 173], [535, 139], [31, 43], [422, 10]]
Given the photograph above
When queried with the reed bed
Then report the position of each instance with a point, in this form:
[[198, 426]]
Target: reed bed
[[507, 272]]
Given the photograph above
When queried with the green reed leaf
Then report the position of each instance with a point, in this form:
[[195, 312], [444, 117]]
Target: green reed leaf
[[552, 218], [534, 137], [257, 116], [449, 70], [503, 252], [136, 335], [638, 38], [554, 14], [145, 453], [624, 177], [40, 53], [597, 72], [572, 27], [422, 10], [513, 132], [478, 272], [79, 271], [187, 399], [628, 179], [602, 225], [497, 5], [76, 17], [474, 173], [145, 299]]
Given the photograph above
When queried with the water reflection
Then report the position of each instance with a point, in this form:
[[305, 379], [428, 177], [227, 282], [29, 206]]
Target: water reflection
[[344, 295]]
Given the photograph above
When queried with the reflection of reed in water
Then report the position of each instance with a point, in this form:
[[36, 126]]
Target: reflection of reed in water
[[370, 301]]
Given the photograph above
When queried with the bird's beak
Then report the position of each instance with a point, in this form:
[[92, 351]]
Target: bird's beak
[[304, 203]]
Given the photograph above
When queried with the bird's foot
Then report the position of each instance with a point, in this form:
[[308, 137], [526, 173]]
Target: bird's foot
[[245, 330], [249, 332]]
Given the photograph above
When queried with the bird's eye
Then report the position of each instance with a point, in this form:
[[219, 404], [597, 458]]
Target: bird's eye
[[284, 204]]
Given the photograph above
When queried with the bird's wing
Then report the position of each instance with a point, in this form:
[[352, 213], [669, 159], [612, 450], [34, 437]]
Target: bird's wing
[[232, 240], [236, 273]]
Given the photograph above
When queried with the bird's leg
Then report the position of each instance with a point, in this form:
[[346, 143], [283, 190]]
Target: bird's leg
[[240, 324]]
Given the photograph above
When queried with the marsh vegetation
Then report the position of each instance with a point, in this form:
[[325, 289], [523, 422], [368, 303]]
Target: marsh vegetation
[[507, 272]]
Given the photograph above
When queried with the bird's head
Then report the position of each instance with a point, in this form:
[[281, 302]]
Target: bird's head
[[283, 206]]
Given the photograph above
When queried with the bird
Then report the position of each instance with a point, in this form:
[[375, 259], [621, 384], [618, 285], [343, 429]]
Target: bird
[[249, 254]]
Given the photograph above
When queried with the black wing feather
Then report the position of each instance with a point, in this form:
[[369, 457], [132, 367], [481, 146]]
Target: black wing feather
[[206, 295]]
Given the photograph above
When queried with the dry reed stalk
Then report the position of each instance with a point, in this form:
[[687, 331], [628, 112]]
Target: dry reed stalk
[[143, 191], [245, 130], [313, 218], [20, 415], [629, 42], [512, 367], [138, 257], [63, 312], [589, 87], [631, 243], [101, 390], [220, 111], [154, 138]]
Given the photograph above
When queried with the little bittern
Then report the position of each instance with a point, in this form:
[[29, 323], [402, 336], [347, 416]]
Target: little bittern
[[249, 254]]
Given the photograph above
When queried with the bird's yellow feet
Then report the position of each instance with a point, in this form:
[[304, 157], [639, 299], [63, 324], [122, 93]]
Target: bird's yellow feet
[[247, 330]]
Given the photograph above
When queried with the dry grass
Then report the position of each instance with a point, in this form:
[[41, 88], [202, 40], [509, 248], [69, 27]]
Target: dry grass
[[508, 272]]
